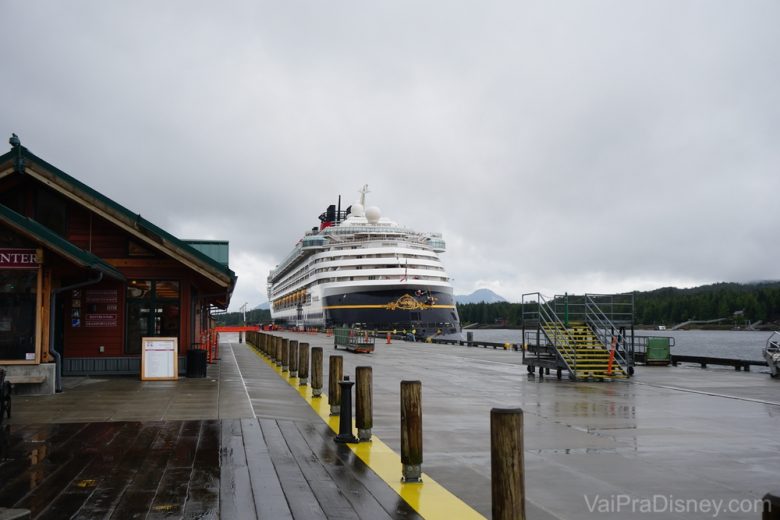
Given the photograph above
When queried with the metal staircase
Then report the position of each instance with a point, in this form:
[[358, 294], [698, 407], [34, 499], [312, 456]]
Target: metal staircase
[[583, 335]]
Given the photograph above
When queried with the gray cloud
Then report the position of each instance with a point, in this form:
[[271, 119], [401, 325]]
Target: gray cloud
[[600, 146]]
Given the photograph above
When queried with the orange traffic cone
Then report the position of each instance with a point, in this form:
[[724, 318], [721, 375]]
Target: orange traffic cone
[[389, 338]]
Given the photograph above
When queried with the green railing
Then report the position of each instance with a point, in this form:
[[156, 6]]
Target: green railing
[[538, 312], [354, 339]]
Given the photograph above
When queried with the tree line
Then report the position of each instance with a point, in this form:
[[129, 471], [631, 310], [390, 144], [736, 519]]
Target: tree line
[[744, 303], [253, 317]]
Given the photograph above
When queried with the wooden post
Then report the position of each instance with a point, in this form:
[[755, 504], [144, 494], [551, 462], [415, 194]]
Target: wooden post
[[335, 373], [363, 403], [411, 431], [285, 355], [507, 472], [278, 357], [303, 364], [293, 358], [771, 509], [316, 371]]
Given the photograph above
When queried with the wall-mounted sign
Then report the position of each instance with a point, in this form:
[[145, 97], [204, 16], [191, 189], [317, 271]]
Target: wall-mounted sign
[[158, 359], [100, 308], [100, 320], [18, 258]]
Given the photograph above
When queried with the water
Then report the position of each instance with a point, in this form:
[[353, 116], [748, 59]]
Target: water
[[736, 344]]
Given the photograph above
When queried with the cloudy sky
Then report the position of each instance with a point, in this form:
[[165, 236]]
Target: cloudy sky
[[559, 146]]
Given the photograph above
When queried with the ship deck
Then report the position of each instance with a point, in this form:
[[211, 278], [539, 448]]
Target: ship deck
[[673, 433]]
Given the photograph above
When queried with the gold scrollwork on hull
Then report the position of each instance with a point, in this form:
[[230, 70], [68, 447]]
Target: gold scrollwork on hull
[[407, 302]]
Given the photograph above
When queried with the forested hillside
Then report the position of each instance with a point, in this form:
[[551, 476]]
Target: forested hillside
[[751, 302], [253, 317]]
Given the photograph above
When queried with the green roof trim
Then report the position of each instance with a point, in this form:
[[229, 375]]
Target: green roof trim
[[152, 231], [28, 227], [218, 250]]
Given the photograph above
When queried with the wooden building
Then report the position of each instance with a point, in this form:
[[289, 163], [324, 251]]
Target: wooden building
[[83, 279]]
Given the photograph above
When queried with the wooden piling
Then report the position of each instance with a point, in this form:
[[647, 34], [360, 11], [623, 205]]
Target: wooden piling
[[285, 355], [364, 403], [411, 431], [316, 371], [507, 471], [278, 356], [335, 373], [303, 364], [771, 506], [293, 358]]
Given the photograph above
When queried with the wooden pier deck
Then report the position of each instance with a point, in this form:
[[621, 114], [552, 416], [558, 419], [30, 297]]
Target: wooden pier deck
[[239, 444]]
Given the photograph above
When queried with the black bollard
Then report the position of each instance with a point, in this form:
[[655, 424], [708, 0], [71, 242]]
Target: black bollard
[[345, 416]]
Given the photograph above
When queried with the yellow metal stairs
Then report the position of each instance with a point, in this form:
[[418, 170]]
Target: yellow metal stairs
[[583, 352]]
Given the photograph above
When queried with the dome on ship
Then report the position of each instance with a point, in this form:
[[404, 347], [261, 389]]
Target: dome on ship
[[373, 214], [357, 210]]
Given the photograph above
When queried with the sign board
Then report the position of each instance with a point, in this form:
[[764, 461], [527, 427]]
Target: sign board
[[18, 258], [159, 360]]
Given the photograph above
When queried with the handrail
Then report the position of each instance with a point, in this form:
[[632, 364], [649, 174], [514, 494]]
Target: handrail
[[554, 329], [604, 329], [773, 342]]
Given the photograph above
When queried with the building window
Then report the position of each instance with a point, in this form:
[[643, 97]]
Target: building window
[[17, 314], [153, 309]]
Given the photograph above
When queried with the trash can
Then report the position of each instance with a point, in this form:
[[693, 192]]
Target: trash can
[[469, 337], [657, 352], [196, 363]]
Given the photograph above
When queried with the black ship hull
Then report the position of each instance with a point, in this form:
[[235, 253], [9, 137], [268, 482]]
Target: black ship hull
[[424, 312]]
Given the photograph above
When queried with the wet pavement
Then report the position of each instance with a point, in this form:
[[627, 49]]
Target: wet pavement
[[242, 443], [669, 434], [239, 444]]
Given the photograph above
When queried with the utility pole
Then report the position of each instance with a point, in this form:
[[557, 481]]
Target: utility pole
[[243, 310]]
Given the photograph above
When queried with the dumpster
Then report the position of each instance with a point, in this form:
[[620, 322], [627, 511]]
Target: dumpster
[[196, 363], [658, 351]]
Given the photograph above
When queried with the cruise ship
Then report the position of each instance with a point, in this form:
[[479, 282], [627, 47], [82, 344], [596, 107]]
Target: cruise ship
[[360, 269]]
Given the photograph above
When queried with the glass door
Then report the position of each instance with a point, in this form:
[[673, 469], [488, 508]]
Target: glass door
[[152, 310]]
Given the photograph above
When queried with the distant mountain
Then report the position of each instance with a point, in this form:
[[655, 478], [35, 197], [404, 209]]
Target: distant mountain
[[479, 296], [262, 307]]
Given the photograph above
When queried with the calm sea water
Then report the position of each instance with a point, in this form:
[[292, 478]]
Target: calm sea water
[[735, 344]]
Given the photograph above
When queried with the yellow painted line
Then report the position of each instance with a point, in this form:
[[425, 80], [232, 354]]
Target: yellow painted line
[[429, 498], [382, 307]]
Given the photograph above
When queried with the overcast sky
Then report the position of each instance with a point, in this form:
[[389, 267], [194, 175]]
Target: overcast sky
[[572, 146]]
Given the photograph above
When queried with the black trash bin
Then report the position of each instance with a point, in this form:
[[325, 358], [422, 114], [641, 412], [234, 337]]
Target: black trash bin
[[196, 363]]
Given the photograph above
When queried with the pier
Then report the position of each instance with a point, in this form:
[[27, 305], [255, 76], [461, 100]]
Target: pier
[[248, 436]]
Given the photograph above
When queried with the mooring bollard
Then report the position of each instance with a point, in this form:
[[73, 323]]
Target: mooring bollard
[[240, 337], [303, 364], [345, 417], [293, 358], [285, 355], [507, 473], [335, 373], [363, 403], [316, 371], [411, 431]]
